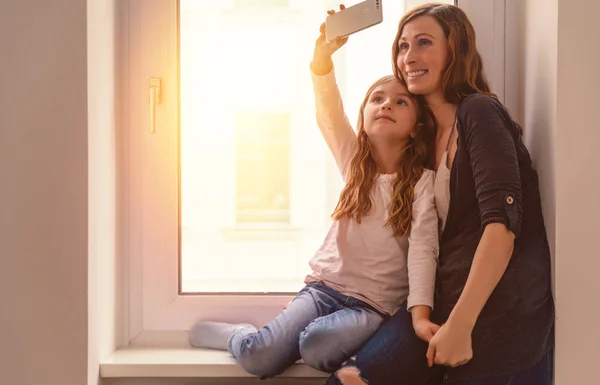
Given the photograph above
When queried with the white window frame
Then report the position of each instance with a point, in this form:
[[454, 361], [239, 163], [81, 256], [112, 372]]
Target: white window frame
[[157, 314]]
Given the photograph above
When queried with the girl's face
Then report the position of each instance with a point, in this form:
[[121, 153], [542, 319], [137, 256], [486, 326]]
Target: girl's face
[[423, 55], [390, 113]]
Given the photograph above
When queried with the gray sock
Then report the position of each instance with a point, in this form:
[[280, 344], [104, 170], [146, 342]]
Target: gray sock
[[215, 335]]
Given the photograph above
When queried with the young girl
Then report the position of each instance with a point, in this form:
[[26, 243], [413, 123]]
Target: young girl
[[384, 237]]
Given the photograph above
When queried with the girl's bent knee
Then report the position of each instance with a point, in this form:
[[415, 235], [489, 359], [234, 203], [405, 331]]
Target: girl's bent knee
[[317, 360], [261, 361], [318, 355], [262, 368]]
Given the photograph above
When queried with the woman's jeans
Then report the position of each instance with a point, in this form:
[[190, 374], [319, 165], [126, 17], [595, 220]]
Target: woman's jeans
[[396, 356], [321, 326]]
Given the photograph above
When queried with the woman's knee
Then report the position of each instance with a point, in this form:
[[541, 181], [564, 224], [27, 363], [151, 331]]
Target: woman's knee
[[350, 375], [393, 352]]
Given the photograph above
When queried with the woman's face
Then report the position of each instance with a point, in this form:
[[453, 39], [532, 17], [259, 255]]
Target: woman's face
[[423, 55]]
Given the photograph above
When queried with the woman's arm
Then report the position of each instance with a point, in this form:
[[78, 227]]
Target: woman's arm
[[489, 264], [486, 130], [489, 140], [452, 343]]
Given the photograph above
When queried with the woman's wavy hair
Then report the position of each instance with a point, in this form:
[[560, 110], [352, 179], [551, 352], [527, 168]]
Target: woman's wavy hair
[[464, 74], [355, 199]]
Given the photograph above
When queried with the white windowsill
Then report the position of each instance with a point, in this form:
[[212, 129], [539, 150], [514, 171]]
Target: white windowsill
[[185, 362]]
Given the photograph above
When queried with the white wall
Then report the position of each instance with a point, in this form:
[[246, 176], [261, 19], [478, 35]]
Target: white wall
[[530, 90], [577, 193], [50, 110], [44, 190], [552, 88], [103, 108]]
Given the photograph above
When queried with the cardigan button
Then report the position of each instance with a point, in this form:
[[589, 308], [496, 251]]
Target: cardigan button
[[510, 200]]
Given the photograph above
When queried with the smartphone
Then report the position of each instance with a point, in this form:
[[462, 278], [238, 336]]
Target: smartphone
[[353, 19]]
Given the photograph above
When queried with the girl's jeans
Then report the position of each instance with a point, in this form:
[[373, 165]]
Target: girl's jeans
[[321, 326]]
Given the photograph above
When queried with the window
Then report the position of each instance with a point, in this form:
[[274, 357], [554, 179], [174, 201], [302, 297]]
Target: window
[[261, 3], [230, 190], [262, 169]]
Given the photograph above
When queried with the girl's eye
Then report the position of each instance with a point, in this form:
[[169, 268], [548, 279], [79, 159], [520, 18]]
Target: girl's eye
[[377, 99], [402, 102]]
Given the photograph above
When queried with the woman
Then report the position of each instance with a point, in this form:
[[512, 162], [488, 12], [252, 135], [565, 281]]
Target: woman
[[493, 294]]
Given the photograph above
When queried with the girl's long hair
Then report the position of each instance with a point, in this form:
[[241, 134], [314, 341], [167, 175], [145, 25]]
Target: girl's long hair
[[355, 199]]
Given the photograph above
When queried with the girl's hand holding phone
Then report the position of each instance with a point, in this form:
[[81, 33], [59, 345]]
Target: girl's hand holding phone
[[322, 62]]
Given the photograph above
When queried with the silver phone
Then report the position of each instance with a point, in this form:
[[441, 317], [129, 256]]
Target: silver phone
[[353, 19]]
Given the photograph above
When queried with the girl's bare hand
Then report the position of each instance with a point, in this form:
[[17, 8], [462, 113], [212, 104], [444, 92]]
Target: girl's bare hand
[[322, 57]]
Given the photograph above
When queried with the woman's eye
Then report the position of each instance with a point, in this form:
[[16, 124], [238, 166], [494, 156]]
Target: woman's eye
[[403, 46], [424, 42]]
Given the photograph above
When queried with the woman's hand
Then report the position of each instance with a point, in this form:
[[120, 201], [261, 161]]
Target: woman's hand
[[425, 329], [451, 345], [322, 62]]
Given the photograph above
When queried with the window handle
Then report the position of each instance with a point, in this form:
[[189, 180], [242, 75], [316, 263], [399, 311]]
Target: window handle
[[155, 99]]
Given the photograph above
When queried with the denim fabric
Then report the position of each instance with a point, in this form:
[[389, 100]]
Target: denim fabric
[[395, 355], [321, 326]]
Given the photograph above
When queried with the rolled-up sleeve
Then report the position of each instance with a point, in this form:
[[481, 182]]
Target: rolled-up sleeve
[[423, 244], [488, 133]]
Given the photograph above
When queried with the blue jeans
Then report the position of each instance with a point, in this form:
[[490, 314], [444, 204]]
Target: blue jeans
[[321, 326], [396, 356]]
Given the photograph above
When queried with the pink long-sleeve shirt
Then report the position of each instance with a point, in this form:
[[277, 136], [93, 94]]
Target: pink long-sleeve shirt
[[365, 260]]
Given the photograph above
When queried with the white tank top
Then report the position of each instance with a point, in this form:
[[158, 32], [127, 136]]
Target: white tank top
[[441, 186]]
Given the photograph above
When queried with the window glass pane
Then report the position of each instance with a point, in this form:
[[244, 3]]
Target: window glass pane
[[258, 184], [262, 168]]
